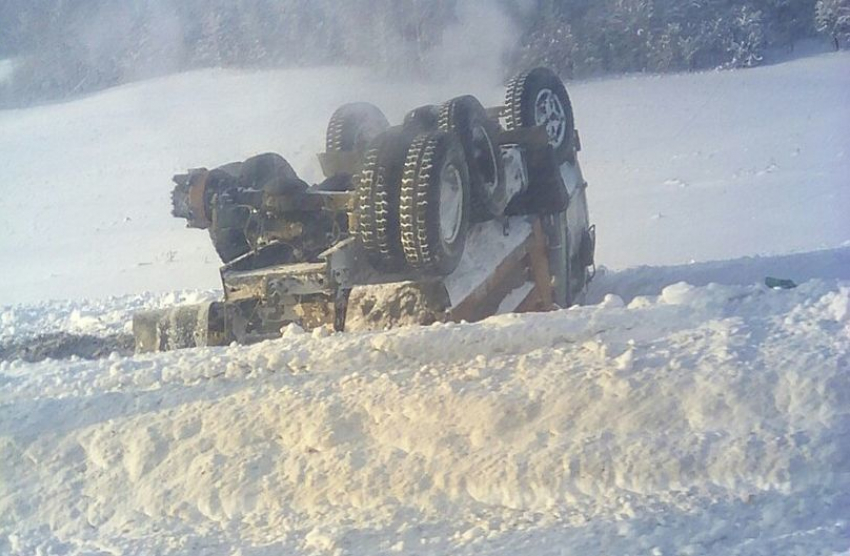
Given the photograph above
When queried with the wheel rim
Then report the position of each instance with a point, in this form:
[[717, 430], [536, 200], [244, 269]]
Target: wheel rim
[[484, 157], [451, 202], [549, 111]]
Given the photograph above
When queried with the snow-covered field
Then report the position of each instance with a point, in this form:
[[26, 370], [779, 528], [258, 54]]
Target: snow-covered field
[[6, 69], [703, 418], [699, 167]]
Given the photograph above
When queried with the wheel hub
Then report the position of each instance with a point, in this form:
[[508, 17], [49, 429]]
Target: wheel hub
[[451, 202], [549, 112]]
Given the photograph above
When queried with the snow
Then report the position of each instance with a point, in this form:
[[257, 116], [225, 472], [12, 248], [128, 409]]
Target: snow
[[826, 264], [706, 166], [719, 165], [96, 317], [688, 410], [7, 67], [706, 420]]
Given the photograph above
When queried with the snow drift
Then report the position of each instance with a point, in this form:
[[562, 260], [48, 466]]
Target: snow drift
[[707, 420]]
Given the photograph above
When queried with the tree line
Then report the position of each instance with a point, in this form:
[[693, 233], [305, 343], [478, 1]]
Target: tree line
[[587, 37], [68, 47]]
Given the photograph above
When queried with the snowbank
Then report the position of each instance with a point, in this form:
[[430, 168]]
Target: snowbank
[[709, 420], [96, 317], [822, 264]]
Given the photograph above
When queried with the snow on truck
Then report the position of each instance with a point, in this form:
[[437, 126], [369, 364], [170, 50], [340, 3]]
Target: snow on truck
[[458, 213]]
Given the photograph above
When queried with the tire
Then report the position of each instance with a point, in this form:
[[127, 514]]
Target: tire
[[267, 171], [467, 118], [435, 203], [354, 126], [229, 243], [423, 119], [227, 221], [538, 97], [377, 196], [227, 230]]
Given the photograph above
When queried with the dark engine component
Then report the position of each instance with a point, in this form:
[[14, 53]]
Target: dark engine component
[[252, 204]]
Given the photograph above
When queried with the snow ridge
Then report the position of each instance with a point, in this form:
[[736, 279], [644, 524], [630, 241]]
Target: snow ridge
[[705, 420]]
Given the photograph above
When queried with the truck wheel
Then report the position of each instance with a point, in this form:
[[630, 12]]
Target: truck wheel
[[538, 98], [467, 118], [377, 198], [229, 221], [435, 203], [353, 126], [266, 170], [230, 243], [422, 119]]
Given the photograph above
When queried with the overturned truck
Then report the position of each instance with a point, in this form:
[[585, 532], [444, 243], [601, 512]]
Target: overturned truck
[[458, 213]]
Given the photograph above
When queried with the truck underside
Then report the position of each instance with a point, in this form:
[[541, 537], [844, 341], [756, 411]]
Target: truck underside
[[459, 213]]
